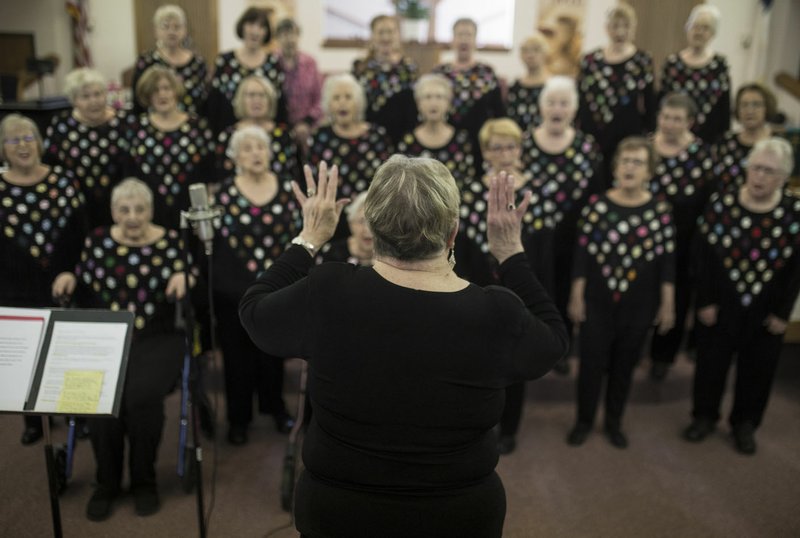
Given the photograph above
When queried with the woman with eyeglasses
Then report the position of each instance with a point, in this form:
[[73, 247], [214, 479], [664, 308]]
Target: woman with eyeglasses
[[255, 104], [754, 105], [748, 279], [42, 216], [172, 50], [623, 275]]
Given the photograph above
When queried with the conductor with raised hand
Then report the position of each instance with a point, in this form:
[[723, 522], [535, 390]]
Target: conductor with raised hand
[[408, 362]]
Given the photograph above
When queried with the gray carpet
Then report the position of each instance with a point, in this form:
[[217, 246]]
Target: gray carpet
[[659, 486]]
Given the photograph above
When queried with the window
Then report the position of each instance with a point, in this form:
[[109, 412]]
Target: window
[[348, 20]]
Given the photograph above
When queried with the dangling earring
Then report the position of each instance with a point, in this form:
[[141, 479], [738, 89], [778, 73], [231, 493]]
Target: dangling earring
[[451, 257]]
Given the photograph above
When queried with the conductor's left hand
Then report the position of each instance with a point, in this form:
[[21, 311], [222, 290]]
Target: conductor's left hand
[[321, 209]]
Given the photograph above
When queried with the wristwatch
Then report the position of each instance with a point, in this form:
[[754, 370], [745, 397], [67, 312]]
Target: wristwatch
[[306, 245]]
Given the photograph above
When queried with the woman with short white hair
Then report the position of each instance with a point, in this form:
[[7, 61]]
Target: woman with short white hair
[[748, 279], [259, 219], [173, 50], [356, 146], [89, 141], [356, 249], [434, 137], [702, 74], [567, 167], [137, 266]]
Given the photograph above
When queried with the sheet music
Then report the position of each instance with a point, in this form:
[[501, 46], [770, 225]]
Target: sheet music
[[21, 334], [79, 355]]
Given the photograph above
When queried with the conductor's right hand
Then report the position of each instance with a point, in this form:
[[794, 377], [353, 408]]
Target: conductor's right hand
[[64, 286], [504, 218], [321, 209]]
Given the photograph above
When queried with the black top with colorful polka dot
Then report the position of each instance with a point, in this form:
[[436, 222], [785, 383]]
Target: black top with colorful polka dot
[[43, 226], [710, 88], [749, 260], [522, 105], [729, 155], [228, 74], [193, 75], [96, 155], [625, 254], [170, 161], [456, 155], [389, 89], [251, 236], [476, 96], [283, 159], [562, 182], [685, 180], [133, 278], [616, 100]]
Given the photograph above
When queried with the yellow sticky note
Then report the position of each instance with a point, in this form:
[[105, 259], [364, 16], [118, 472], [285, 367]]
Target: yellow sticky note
[[81, 391]]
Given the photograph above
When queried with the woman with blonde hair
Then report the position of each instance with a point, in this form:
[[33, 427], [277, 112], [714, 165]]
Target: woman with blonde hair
[[523, 95], [173, 50], [89, 141]]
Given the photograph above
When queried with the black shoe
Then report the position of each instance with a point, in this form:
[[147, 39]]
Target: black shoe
[[616, 437], [145, 500], [744, 438], [237, 435], [699, 429], [283, 422], [561, 367], [31, 435], [99, 507], [659, 370], [506, 444], [578, 434]]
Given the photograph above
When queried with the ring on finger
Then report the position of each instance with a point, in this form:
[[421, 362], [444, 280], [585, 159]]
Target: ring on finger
[[311, 192], [511, 207]]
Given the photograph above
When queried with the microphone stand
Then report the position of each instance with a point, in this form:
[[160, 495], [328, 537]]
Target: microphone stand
[[191, 375]]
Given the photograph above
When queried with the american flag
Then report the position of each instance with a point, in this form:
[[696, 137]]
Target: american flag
[[78, 12]]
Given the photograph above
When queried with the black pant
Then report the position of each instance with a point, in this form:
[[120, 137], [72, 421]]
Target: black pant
[[757, 352], [247, 369], [154, 365], [608, 345]]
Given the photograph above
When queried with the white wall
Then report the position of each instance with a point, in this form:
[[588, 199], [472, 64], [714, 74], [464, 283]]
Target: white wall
[[113, 38]]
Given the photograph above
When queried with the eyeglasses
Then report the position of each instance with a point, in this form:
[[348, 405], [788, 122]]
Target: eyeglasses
[[498, 148], [17, 140], [766, 170], [255, 95], [635, 162]]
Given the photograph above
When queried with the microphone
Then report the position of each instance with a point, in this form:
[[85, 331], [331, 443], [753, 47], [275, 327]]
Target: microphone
[[202, 216]]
